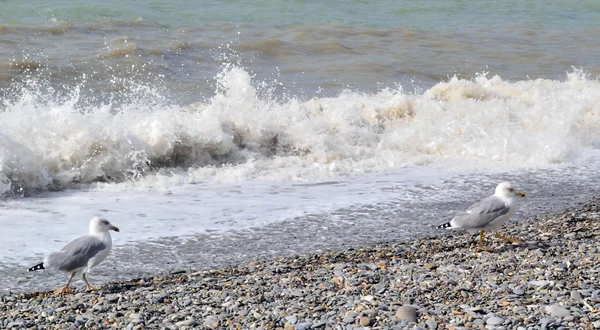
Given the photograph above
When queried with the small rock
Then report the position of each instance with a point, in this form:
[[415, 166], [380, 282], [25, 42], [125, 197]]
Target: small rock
[[494, 320], [540, 284], [518, 291], [186, 323], [557, 311], [370, 313], [348, 319], [211, 322], [478, 322], [545, 321], [407, 313], [381, 287], [364, 321], [303, 326], [292, 319], [430, 266], [431, 323], [80, 321], [15, 324]]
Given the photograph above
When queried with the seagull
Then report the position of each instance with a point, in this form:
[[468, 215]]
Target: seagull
[[489, 214], [80, 255]]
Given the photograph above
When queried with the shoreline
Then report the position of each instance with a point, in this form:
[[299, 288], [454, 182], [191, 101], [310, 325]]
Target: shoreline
[[549, 280]]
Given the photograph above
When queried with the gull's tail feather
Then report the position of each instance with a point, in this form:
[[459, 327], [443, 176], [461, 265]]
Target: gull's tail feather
[[36, 267], [446, 225]]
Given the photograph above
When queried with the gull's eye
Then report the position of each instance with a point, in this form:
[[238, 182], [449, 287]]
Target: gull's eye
[[104, 222], [511, 189]]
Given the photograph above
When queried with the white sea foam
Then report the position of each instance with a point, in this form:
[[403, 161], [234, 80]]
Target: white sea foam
[[48, 142]]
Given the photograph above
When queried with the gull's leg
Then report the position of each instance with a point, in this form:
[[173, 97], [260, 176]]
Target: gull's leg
[[87, 284], [508, 239], [65, 289], [480, 246]]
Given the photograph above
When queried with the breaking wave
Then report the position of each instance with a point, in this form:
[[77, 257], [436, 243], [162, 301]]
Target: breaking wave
[[51, 143]]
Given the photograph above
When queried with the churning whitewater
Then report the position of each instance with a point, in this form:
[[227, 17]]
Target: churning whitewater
[[50, 142]]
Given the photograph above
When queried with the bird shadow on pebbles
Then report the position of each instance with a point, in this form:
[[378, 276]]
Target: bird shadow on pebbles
[[521, 246], [442, 245]]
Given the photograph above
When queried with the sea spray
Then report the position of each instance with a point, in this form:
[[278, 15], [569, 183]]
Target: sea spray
[[50, 142]]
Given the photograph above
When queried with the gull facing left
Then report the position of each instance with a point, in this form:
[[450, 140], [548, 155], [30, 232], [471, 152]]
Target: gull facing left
[[80, 255]]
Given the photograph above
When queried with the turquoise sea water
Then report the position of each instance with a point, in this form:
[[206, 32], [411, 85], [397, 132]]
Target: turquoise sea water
[[426, 15]]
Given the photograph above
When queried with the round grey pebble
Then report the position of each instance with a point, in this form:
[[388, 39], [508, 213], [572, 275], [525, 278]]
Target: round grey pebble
[[431, 323], [348, 319], [407, 313], [292, 319], [494, 320], [557, 311]]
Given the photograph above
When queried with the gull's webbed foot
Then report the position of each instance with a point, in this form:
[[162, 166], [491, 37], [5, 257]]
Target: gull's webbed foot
[[88, 285], [484, 248], [480, 246], [92, 288], [64, 289]]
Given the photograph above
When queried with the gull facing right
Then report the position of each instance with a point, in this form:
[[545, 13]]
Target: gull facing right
[[80, 255], [489, 214]]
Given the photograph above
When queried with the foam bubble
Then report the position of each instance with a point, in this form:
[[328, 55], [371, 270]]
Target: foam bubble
[[50, 143]]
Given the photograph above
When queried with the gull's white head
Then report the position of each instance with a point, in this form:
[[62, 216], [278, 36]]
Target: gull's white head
[[100, 225], [506, 190]]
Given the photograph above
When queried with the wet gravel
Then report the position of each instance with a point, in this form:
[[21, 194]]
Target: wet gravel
[[549, 281]]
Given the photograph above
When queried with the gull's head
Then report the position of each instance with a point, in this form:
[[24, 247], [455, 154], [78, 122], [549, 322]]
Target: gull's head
[[506, 190], [101, 225]]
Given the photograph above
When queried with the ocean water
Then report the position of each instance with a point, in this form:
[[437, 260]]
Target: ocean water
[[226, 131]]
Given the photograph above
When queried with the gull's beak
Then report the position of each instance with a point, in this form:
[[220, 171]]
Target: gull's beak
[[518, 193], [114, 228]]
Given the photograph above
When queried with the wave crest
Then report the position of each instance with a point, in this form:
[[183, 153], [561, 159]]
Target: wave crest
[[48, 144]]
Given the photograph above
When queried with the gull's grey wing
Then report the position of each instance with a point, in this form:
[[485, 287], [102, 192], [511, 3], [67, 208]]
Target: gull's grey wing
[[76, 254], [481, 213]]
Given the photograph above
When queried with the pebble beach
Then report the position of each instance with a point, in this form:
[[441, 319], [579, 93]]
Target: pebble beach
[[549, 281]]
